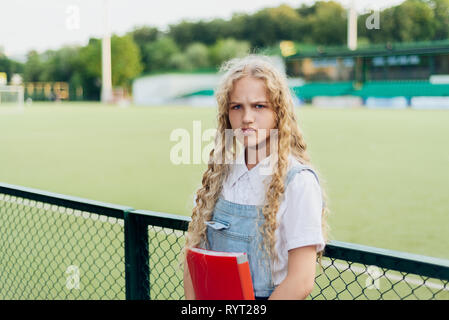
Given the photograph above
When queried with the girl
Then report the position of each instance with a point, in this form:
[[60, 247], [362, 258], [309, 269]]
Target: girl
[[278, 217]]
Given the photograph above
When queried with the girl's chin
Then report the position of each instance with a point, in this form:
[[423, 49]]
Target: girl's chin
[[250, 141]]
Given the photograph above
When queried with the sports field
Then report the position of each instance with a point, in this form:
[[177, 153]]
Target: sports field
[[386, 171]]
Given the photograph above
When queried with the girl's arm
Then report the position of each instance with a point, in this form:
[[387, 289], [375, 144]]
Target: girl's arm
[[300, 279], [188, 286]]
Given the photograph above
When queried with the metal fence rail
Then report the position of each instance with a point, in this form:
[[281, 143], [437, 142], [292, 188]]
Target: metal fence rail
[[60, 247]]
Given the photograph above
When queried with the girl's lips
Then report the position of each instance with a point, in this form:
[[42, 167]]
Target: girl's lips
[[248, 131]]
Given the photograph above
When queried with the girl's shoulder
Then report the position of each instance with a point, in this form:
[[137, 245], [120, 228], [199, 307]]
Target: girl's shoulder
[[302, 179], [295, 168]]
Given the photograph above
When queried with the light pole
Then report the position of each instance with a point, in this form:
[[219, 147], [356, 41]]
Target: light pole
[[106, 75], [352, 26]]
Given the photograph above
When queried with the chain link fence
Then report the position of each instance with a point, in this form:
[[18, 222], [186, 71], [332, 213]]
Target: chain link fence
[[385, 278], [59, 247], [59, 251]]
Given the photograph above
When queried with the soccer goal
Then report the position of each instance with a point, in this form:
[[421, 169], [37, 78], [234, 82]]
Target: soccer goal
[[11, 96]]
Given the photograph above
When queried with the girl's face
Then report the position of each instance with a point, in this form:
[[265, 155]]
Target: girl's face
[[250, 108]]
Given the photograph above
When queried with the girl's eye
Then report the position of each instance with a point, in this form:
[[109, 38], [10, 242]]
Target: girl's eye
[[259, 106]]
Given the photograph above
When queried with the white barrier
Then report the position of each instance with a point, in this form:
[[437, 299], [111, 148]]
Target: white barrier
[[390, 103], [337, 102], [162, 89], [439, 79], [195, 101], [430, 103]]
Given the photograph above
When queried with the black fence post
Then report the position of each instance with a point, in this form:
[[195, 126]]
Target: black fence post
[[137, 271]]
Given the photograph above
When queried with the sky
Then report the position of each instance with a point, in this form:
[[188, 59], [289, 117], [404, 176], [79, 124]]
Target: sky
[[49, 24]]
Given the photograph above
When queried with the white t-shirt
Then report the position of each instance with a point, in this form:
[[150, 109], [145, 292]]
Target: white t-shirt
[[299, 214]]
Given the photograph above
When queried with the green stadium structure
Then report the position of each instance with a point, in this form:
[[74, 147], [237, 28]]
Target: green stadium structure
[[310, 90], [384, 89], [407, 89], [389, 71], [390, 61]]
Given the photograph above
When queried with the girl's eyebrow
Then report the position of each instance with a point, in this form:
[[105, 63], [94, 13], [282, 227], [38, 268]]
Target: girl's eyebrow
[[232, 102]]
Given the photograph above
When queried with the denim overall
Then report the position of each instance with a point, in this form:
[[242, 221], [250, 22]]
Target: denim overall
[[235, 228]]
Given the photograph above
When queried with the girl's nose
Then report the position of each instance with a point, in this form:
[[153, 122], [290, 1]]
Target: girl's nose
[[248, 116]]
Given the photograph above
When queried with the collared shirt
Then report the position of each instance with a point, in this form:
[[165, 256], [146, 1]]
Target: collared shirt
[[299, 214]]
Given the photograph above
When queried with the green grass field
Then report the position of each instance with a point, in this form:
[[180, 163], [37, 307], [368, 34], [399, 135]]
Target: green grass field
[[386, 171]]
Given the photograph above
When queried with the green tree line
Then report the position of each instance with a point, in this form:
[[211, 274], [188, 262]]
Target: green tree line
[[203, 45]]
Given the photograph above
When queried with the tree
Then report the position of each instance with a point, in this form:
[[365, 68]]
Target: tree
[[225, 49], [260, 29], [143, 36], [206, 32], [90, 70], [179, 61], [59, 65], [414, 21], [287, 22], [33, 67], [327, 24], [237, 27], [182, 33], [198, 55], [10, 66], [441, 21], [90, 57], [387, 31], [125, 60], [158, 53]]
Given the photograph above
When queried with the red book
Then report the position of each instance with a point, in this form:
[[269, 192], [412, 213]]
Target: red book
[[220, 275]]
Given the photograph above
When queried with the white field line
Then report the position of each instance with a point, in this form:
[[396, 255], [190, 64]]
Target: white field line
[[11, 110], [379, 275]]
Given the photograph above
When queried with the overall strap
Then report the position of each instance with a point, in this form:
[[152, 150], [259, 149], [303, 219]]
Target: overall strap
[[297, 169]]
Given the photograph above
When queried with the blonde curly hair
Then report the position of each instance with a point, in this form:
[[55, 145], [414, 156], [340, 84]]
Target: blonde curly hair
[[290, 141]]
